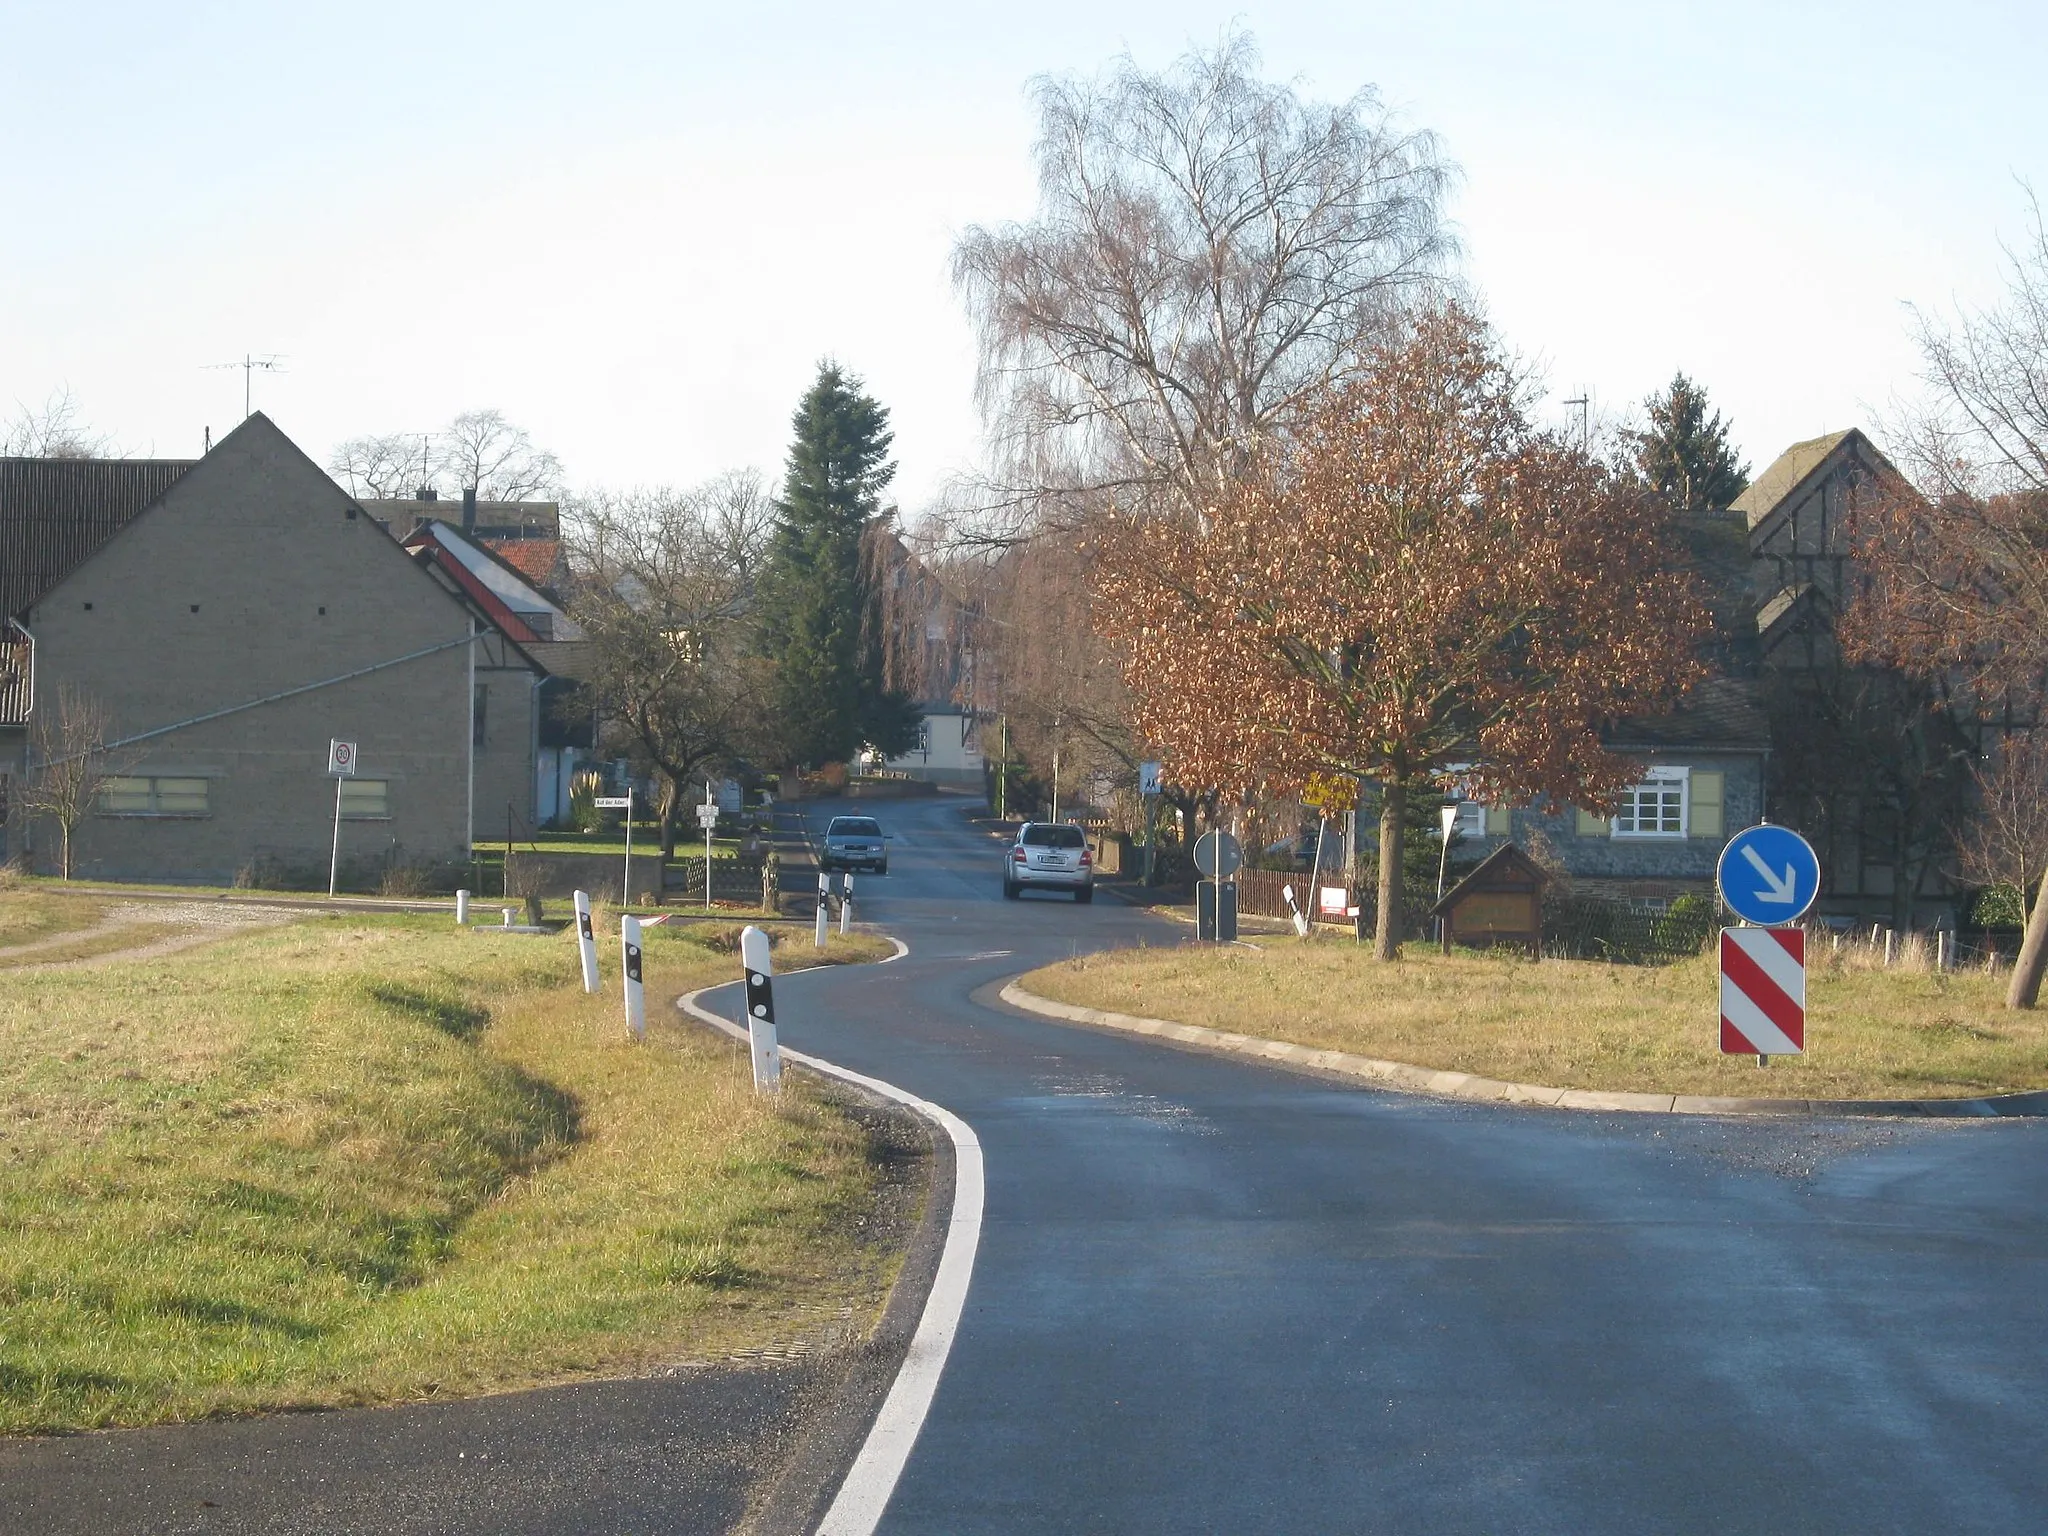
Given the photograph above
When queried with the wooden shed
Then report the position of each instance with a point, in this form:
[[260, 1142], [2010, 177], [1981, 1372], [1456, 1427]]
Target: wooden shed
[[1500, 902]]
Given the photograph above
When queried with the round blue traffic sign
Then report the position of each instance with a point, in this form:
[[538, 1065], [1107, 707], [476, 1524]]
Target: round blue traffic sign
[[1768, 875]]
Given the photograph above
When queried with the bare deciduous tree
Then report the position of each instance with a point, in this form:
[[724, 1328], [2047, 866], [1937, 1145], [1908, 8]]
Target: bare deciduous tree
[[1210, 257], [71, 763], [478, 450], [663, 587], [1954, 581], [2007, 842], [51, 431], [482, 451]]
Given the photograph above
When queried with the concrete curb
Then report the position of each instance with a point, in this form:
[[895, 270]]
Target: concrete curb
[[1486, 1090]]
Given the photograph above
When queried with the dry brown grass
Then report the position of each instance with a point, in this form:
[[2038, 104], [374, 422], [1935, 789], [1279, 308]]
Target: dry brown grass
[[1904, 1032]]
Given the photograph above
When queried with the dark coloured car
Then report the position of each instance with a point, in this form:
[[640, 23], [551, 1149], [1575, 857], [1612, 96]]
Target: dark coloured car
[[1049, 856], [855, 842]]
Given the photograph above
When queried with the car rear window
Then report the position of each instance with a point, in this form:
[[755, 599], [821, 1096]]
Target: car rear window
[[854, 826], [1041, 836]]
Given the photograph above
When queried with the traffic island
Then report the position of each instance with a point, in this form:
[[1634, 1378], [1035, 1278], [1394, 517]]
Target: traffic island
[[1568, 1034]]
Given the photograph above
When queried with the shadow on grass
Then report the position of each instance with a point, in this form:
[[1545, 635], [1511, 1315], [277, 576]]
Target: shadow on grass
[[451, 1015], [233, 1314]]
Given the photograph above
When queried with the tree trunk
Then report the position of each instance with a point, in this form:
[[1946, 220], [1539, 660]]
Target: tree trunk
[[1387, 932], [671, 792], [65, 828], [2025, 990]]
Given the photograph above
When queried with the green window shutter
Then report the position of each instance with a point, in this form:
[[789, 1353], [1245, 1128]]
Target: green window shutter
[[1706, 804], [1499, 821], [1591, 825]]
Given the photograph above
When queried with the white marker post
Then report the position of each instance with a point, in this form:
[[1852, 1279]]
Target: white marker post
[[1294, 911], [761, 1010], [341, 766], [846, 906], [636, 993], [586, 941], [461, 908], [824, 906]]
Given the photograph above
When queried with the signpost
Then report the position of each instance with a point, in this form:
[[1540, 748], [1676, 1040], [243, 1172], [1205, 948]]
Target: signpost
[[707, 818], [1148, 797], [341, 767], [622, 803], [1769, 877], [1218, 856]]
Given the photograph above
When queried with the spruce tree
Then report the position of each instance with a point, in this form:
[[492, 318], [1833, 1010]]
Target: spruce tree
[[818, 608], [1685, 455]]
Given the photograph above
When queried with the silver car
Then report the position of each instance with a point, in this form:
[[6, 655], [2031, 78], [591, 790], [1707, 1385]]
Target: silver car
[[1051, 856], [854, 842]]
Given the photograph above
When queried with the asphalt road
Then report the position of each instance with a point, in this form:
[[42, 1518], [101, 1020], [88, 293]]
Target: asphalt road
[[1212, 1296]]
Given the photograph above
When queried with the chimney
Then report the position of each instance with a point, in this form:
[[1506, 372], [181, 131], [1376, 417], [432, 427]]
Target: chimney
[[427, 493], [469, 509]]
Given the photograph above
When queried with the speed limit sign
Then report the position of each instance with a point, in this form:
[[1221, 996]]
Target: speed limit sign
[[341, 759]]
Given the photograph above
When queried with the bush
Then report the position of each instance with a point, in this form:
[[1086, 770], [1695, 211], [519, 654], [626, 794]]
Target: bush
[[1997, 906]]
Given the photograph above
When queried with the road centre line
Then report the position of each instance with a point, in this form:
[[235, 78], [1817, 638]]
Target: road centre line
[[857, 1508]]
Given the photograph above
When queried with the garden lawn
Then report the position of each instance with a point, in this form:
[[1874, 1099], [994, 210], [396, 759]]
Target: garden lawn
[[1870, 1033], [361, 1159], [28, 915]]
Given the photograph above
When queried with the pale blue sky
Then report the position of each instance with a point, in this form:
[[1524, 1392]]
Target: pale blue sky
[[635, 229]]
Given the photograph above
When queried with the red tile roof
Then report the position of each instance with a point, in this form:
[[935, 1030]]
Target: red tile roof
[[535, 559]]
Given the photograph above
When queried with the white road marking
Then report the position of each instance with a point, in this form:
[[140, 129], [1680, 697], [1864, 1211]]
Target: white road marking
[[862, 1498]]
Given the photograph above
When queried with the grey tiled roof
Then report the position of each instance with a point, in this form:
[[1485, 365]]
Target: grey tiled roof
[[1722, 714], [56, 513]]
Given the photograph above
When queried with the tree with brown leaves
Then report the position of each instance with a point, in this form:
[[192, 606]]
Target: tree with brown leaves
[[1422, 579], [1952, 581]]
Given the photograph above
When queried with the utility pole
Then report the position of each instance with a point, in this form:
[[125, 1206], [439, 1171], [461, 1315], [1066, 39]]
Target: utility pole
[[249, 364]]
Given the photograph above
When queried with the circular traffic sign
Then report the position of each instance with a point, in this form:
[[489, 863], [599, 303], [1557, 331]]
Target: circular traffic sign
[[1218, 855], [1768, 875]]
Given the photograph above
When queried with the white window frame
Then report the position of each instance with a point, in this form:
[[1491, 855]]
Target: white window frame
[[1471, 820], [1659, 782], [348, 814]]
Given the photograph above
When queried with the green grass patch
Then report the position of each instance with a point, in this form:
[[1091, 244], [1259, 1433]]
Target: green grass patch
[[1870, 1033], [29, 915], [363, 1159]]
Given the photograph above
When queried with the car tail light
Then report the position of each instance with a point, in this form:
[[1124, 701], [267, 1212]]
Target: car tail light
[[1016, 855], [1084, 858]]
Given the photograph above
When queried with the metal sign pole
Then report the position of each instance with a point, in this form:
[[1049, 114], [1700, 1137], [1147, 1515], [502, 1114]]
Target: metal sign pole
[[334, 856], [626, 880]]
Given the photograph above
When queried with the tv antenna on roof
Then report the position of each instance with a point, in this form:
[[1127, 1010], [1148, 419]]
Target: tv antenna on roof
[[1585, 405], [269, 363]]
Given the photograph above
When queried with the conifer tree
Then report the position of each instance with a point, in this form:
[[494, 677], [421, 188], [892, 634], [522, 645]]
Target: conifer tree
[[1685, 455], [818, 604]]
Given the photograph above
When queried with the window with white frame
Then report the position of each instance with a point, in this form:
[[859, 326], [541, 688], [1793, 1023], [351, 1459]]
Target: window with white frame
[[1656, 807], [1471, 813]]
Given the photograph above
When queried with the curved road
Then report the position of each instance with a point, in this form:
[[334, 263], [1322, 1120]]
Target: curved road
[[1213, 1296]]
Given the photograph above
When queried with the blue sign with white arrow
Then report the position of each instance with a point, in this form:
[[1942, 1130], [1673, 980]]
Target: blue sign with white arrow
[[1768, 875]]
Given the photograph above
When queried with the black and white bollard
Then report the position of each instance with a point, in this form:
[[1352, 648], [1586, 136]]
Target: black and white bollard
[[461, 908], [1294, 910], [586, 941], [760, 973], [846, 906], [636, 993], [824, 906]]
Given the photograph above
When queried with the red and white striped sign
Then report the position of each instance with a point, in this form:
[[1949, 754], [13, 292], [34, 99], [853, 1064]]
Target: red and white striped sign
[[1763, 991]]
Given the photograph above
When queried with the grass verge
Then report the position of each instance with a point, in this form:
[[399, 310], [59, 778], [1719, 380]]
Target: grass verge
[[1870, 1033], [363, 1159], [28, 916]]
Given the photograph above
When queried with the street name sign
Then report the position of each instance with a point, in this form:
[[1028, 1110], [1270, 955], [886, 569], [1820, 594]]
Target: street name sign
[[1763, 991], [1768, 875], [707, 816], [613, 802]]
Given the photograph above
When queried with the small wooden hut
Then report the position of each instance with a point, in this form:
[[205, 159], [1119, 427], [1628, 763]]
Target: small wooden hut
[[1499, 902]]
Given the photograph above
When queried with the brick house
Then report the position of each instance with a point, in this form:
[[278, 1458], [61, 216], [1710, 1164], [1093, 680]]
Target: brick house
[[232, 614]]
